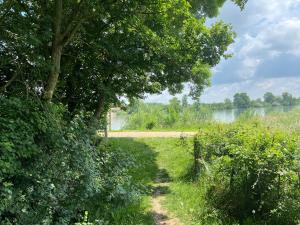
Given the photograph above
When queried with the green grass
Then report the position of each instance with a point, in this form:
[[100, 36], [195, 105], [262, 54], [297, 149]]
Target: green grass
[[143, 174], [146, 167], [138, 213], [185, 199], [174, 156], [187, 202]]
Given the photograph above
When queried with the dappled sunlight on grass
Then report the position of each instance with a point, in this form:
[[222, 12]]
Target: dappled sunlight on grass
[[143, 174]]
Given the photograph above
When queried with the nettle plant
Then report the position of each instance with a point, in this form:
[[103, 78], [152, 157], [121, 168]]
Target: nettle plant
[[252, 171]]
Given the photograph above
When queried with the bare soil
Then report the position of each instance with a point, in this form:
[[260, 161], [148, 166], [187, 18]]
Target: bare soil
[[160, 214]]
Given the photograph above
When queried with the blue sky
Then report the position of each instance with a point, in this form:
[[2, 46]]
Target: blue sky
[[266, 52]]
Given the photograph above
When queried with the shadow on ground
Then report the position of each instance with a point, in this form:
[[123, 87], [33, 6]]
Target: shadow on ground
[[144, 173], [149, 178]]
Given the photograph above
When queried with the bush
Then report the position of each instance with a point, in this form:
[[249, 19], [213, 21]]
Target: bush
[[253, 173], [52, 171], [150, 125]]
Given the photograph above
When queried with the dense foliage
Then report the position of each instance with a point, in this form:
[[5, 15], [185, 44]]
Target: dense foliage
[[52, 171], [87, 54], [252, 173]]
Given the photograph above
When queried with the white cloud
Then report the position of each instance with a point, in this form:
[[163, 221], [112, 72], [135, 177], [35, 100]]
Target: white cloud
[[266, 51], [273, 41], [248, 68], [255, 88], [267, 29]]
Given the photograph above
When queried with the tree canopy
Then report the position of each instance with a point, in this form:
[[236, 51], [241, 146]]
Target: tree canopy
[[211, 8], [269, 98], [241, 100], [89, 54]]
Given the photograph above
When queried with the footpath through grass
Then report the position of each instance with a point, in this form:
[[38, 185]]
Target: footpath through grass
[[174, 156], [143, 174], [184, 197]]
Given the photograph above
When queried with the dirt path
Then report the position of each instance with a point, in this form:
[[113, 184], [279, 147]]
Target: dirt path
[[138, 134], [160, 214]]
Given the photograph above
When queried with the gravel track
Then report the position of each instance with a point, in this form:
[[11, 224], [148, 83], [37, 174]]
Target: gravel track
[[139, 134]]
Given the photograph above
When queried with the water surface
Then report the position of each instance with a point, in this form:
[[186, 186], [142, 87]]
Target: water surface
[[224, 115], [230, 115]]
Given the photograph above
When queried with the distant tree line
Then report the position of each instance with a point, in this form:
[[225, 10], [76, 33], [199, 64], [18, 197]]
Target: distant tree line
[[242, 100]]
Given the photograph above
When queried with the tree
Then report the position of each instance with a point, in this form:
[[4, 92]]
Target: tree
[[288, 99], [269, 98], [141, 53], [228, 103], [184, 101], [211, 8], [173, 109], [241, 100], [96, 52], [257, 103]]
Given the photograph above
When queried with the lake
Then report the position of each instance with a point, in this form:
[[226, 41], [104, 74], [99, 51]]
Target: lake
[[230, 115], [224, 115]]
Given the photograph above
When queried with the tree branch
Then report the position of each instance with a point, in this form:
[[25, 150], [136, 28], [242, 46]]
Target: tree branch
[[10, 4], [3, 88], [57, 21], [66, 39], [73, 25]]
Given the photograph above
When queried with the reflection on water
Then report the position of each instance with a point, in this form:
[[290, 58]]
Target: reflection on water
[[230, 115], [117, 121], [224, 116]]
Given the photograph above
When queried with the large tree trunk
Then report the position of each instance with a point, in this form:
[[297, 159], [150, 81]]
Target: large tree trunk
[[100, 107], [72, 86], [56, 53], [55, 70], [98, 112], [60, 39]]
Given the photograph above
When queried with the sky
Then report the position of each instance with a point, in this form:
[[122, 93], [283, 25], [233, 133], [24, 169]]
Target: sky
[[266, 52]]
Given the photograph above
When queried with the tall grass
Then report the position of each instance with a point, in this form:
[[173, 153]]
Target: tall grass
[[287, 121], [173, 116]]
